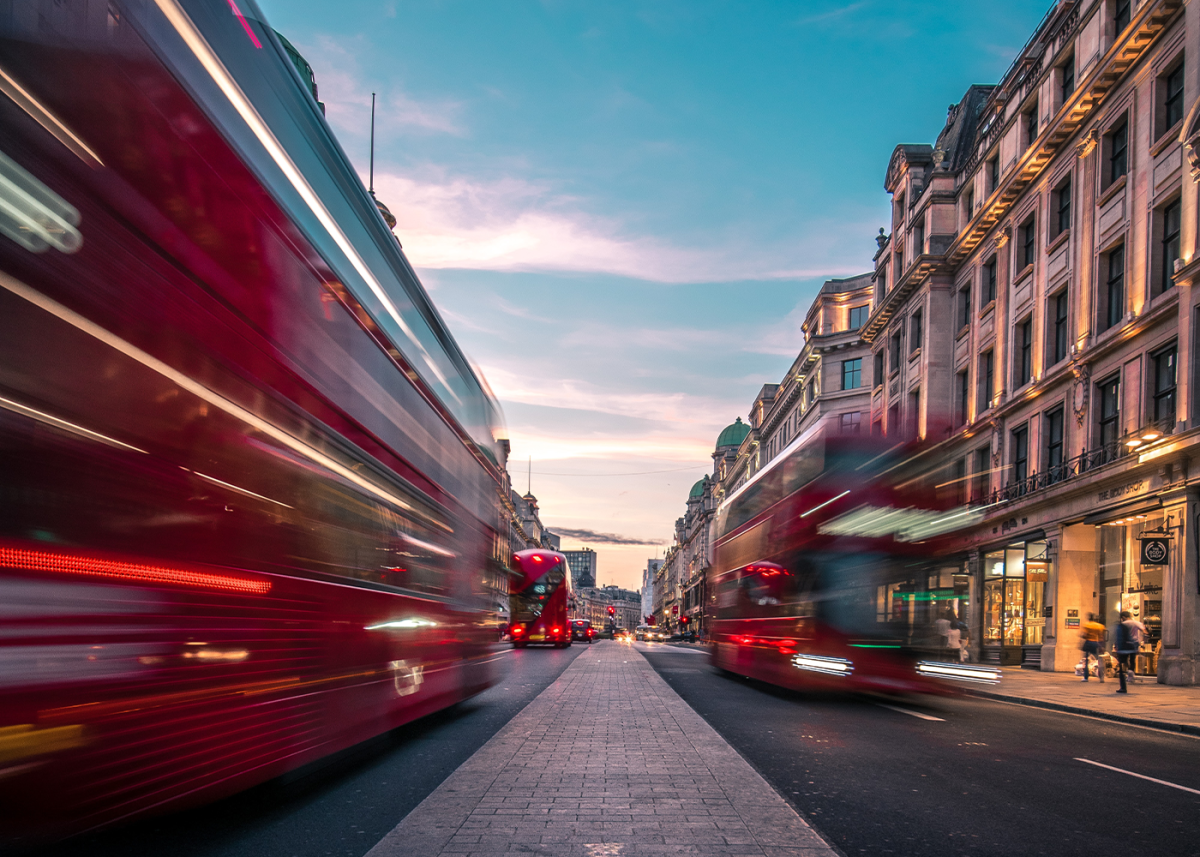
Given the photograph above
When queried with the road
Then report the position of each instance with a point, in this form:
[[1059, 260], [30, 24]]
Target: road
[[983, 778], [341, 807]]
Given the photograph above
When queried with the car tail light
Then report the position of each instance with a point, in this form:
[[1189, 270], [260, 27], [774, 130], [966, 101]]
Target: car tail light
[[556, 631], [518, 631]]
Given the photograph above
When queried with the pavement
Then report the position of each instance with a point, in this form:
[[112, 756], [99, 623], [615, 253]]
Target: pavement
[[608, 761], [1147, 703]]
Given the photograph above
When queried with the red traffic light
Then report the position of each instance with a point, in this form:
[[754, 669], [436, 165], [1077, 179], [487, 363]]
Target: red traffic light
[[683, 620], [612, 611]]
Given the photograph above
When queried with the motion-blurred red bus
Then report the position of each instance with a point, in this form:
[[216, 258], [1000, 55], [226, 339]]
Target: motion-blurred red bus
[[247, 478], [825, 572], [540, 602]]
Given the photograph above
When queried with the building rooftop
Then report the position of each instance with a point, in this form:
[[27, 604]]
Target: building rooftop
[[733, 434]]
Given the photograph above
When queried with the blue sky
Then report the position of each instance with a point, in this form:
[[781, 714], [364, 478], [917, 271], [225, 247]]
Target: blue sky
[[624, 208]]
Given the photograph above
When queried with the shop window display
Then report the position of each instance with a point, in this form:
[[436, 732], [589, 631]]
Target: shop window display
[[1014, 594]]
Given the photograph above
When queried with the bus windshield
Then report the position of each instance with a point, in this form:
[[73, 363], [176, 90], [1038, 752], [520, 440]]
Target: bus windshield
[[528, 603]]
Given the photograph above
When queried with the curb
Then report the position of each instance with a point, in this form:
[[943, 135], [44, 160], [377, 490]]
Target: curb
[[1185, 728]]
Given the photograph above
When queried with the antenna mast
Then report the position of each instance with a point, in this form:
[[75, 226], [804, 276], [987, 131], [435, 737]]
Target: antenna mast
[[529, 477], [371, 189]]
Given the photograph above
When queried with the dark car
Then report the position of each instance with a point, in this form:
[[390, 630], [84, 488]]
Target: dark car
[[581, 629]]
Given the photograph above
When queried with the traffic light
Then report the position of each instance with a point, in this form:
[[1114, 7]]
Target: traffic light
[[683, 620], [612, 611]]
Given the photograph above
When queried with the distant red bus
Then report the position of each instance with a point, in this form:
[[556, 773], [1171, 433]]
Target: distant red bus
[[540, 599], [825, 573]]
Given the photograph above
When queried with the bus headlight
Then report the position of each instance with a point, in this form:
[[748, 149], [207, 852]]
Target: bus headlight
[[823, 664], [959, 672]]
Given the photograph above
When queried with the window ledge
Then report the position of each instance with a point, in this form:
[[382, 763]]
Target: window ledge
[[1112, 190], [1057, 240], [914, 354], [962, 331], [1023, 273], [988, 307], [1165, 139]]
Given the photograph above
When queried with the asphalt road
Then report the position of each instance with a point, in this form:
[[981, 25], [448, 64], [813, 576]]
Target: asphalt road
[[986, 778], [344, 805]]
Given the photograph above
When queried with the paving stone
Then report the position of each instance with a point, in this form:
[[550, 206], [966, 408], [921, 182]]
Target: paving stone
[[606, 762]]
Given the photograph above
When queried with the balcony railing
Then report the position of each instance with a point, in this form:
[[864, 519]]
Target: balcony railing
[[1092, 459]]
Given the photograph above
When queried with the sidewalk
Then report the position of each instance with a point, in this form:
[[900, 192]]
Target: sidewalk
[[1147, 703], [607, 762]]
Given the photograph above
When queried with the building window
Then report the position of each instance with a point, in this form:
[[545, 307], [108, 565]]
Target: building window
[[1028, 236], [900, 209], [1054, 444], [1059, 303], [987, 380], [914, 412], [964, 306], [1031, 125], [1117, 145], [993, 174], [893, 420], [1067, 81], [982, 483], [969, 203], [1020, 454], [916, 331], [852, 374], [1122, 11], [878, 369], [1171, 109], [897, 341], [1023, 352], [881, 284], [1164, 388], [964, 393], [1061, 200], [851, 423], [1168, 252], [960, 481], [1110, 411], [919, 238], [987, 285], [858, 316], [899, 267], [1114, 288]]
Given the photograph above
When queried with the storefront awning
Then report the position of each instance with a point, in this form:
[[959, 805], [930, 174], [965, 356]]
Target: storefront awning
[[1124, 510]]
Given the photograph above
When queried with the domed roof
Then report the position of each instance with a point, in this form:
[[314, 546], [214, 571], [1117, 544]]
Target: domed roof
[[733, 434], [698, 489]]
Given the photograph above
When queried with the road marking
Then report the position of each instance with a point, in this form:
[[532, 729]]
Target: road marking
[[911, 713], [1139, 776]]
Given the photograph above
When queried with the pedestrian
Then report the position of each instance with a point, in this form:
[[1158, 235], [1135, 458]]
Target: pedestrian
[[964, 652], [1093, 636], [1129, 639], [942, 628]]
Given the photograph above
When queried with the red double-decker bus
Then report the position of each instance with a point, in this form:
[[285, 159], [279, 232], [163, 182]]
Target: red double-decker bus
[[540, 601], [247, 478], [826, 574]]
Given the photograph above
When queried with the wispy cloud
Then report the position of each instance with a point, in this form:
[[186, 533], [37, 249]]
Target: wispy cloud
[[595, 538], [832, 14]]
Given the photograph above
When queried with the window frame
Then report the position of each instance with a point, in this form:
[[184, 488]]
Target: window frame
[[1157, 393], [1167, 245], [1169, 106], [964, 396], [1028, 234], [1114, 284], [866, 313], [992, 168], [986, 376], [852, 372], [880, 367], [1122, 12], [1030, 125], [1066, 80], [1060, 199], [1116, 158], [964, 308], [1061, 325], [1019, 452], [1023, 352], [1108, 426], [1055, 445], [987, 281], [916, 331]]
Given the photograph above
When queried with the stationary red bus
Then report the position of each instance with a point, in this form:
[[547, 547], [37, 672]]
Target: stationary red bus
[[540, 602], [826, 576], [247, 477]]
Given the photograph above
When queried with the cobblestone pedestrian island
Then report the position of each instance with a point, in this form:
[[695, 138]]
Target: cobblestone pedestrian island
[[607, 762]]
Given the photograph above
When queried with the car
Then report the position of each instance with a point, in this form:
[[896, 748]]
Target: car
[[582, 630]]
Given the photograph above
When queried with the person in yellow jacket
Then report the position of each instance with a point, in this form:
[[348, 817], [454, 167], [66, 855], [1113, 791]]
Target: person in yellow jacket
[[1093, 635]]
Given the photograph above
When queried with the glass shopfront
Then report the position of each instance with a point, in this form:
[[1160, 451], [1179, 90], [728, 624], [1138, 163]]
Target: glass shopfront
[[1127, 584], [1014, 597]]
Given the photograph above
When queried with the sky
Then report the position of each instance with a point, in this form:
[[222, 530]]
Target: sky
[[623, 208]]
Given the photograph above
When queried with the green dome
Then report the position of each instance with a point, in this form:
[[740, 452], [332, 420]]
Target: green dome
[[734, 434], [698, 488]]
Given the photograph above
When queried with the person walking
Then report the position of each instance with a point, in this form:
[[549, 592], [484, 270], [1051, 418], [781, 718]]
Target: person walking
[[1129, 640], [1093, 636]]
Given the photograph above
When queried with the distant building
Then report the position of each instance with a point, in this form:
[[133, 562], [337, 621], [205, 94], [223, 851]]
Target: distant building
[[583, 568], [652, 567]]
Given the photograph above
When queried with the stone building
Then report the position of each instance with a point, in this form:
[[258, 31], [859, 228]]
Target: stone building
[[1033, 304], [652, 567]]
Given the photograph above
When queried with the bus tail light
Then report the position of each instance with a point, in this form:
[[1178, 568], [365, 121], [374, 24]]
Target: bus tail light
[[517, 630]]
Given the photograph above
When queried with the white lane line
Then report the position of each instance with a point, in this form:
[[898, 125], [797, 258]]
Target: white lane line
[[911, 713], [1139, 776]]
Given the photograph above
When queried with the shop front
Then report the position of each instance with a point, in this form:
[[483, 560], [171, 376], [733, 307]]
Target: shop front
[[1134, 555], [1014, 583]]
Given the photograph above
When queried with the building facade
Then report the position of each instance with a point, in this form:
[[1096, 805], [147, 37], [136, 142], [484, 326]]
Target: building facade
[[583, 567], [1033, 312]]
